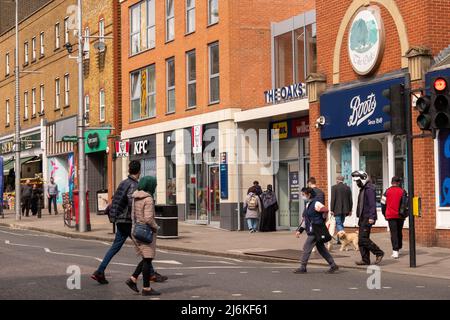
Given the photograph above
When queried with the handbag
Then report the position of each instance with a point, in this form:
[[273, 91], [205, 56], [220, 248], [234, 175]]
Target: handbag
[[142, 231], [320, 231]]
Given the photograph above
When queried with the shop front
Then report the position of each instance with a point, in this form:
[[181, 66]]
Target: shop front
[[143, 149], [356, 138], [96, 143], [293, 169]]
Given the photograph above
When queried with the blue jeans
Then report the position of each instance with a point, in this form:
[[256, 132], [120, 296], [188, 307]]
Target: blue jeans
[[252, 223], [340, 218], [122, 233]]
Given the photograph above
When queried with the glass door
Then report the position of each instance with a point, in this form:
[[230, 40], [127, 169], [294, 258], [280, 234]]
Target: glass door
[[214, 194], [283, 195], [294, 194]]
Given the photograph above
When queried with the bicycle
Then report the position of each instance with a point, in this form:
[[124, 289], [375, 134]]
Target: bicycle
[[69, 212]]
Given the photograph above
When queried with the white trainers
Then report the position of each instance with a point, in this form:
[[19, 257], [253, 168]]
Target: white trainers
[[395, 254]]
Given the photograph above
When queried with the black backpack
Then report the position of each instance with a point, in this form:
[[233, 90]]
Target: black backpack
[[403, 210]]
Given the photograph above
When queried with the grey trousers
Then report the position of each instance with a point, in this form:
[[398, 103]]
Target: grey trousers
[[309, 246]]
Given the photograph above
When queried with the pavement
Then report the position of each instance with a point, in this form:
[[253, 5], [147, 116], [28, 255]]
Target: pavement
[[431, 261], [43, 266]]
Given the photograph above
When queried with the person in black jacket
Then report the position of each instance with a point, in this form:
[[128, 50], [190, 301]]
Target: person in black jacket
[[120, 213], [367, 214], [26, 193], [320, 195], [341, 202]]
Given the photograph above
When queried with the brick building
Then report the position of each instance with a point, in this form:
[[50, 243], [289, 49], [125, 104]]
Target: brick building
[[353, 68], [188, 69]]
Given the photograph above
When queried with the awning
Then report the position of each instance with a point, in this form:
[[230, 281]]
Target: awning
[[28, 159], [7, 165]]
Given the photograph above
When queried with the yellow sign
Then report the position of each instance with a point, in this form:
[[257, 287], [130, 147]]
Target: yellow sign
[[144, 93], [417, 207], [283, 130]]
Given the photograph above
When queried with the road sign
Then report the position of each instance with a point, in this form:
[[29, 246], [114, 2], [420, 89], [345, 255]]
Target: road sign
[[70, 139]]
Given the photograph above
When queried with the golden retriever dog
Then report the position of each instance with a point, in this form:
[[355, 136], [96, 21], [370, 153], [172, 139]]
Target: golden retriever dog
[[348, 239]]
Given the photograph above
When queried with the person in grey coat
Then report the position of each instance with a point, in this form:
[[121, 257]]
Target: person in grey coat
[[253, 208], [26, 192]]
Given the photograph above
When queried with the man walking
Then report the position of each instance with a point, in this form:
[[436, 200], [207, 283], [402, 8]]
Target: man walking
[[52, 194], [320, 196], [120, 213], [341, 202], [26, 198], [395, 214], [367, 214]]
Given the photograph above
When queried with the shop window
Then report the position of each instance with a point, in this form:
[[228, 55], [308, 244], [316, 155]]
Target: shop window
[[171, 191], [341, 161], [284, 59], [444, 168], [371, 161], [148, 168]]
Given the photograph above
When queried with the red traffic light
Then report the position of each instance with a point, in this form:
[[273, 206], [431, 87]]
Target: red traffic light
[[440, 84]]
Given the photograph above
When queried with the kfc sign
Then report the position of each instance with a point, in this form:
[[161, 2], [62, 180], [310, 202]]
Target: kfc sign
[[122, 149]]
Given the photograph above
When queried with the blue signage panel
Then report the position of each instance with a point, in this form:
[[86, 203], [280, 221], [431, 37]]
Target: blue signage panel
[[444, 168], [355, 111], [223, 176]]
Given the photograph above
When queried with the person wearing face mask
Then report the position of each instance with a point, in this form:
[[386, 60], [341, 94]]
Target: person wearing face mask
[[313, 217], [367, 214]]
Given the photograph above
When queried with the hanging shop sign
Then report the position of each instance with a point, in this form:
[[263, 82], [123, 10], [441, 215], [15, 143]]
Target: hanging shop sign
[[96, 140], [143, 147], [355, 111], [197, 139], [291, 92], [223, 175], [292, 128], [122, 149], [366, 40], [294, 187]]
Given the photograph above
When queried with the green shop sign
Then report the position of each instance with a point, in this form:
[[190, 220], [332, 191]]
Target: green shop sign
[[96, 140]]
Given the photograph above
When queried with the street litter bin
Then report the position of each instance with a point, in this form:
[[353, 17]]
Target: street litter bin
[[76, 204], [166, 217]]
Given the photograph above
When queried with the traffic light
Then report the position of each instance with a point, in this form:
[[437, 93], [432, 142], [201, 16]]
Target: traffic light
[[423, 106], [396, 109], [440, 103]]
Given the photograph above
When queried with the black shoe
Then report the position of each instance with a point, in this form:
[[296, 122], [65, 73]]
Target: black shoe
[[132, 285], [362, 263], [333, 269], [379, 258], [156, 277], [99, 277], [151, 292], [300, 271]]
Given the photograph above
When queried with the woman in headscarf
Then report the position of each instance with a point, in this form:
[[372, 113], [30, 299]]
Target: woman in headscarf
[[143, 212], [270, 205]]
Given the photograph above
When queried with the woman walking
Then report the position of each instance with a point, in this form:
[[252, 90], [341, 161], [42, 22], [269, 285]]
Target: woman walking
[[313, 222], [270, 204], [252, 209], [143, 212]]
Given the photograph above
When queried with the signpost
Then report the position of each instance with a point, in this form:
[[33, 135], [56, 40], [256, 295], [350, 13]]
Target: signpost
[[70, 139]]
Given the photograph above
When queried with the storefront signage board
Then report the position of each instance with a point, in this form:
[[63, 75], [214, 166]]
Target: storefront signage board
[[96, 140], [143, 147], [294, 189], [122, 149], [224, 175], [292, 128], [291, 92], [197, 139], [355, 111]]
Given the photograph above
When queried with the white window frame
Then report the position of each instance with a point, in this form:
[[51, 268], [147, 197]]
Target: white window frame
[[42, 99], [211, 75], [170, 18], [33, 102], [66, 30], [170, 88], [25, 52], [57, 36], [25, 105], [102, 105], [7, 113], [42, 44], [136, 33], [151, 28], [57, 94], [66, 90], [33, 49], [190, 9], [86, 43], [151, 113], [87, 107], [7, 64], [101, 30], [190, 82], [210, 15]]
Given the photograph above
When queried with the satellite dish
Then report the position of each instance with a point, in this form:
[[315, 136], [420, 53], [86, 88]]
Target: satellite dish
[[100, 46]]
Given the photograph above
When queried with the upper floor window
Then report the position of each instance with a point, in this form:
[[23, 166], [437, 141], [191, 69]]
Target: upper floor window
[[66, 30], [190, 16], [101, 30], [102, 108], [33, 49], [7, 64], [25, 52], [66, 90], [33, 102], [7, 113], [142, 30], [214, 83], [42, 89], [213, 11], [191, 79], [57, 94], [170, 75], [57, 36], [86, 45], [87, 107], [25, 103], [143, 93], [42, 44], [170, 20]]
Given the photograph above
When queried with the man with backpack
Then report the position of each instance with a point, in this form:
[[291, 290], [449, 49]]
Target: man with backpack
[[252, 209], [394, 206], [120, 214]]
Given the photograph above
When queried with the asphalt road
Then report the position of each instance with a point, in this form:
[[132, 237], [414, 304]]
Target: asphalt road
[[34, 266]]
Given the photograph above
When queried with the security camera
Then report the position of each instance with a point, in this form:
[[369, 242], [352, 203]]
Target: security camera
[[320, 122], [68, 47]]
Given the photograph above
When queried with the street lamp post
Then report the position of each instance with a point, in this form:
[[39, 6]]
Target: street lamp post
[[17, 119]]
